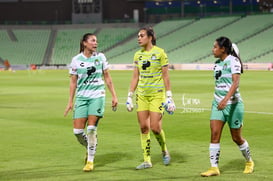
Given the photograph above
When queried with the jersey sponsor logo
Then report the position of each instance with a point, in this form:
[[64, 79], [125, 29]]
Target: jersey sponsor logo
[[74, 70], [90, 81], [91, 70], [147, 76], [221, 86], [218, 74], [140, 58], [237, 67], [146, 64], [160, 108], [82, 64]]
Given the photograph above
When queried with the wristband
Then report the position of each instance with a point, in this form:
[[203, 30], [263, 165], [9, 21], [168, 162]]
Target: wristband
[[130, 94], [169, 93]]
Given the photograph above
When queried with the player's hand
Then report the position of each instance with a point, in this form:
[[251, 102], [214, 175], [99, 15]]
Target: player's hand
[[222, 104], [129, 102], [68, 108], [114, 104], [169, 105]]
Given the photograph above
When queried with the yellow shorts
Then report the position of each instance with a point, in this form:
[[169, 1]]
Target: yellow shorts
[[150, 103]]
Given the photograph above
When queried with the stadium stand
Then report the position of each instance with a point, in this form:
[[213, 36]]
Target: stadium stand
[[29, 49], [108, 37], [267, 57], [181, 35], [123, 53], [257, 46], [238, 31], [67, 44], [185, 40], [245, 30], [68, 41], [193, 32], [4, 36]]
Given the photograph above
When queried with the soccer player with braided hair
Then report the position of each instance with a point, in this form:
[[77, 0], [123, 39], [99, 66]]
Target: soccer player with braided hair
[[151, 81], [227, 106]]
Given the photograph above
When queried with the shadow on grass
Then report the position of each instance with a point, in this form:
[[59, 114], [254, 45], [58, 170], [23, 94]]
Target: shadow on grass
[[176, 157], [102, 160], [237, 165]]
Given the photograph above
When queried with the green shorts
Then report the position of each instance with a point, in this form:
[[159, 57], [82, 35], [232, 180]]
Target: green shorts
[[83, 108], [233, 114], [150, 103]]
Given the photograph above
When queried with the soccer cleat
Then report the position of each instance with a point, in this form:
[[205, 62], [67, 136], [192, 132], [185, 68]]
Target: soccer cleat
[[212, 171], [144, 165], [88, 167], [249, 168], [166, 157]]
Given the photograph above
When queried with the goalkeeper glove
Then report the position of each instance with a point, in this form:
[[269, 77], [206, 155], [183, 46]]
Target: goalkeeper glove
[[169, 105], [129, 102]]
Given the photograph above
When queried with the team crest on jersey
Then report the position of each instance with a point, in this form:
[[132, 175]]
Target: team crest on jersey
[[225, 66], [97, 62], [153, 57]]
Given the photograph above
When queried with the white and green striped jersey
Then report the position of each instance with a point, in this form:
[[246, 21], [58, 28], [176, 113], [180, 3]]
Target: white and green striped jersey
[[90, 83], [223, 71]]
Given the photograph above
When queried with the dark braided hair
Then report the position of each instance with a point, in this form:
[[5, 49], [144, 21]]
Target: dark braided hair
[[226, 43]]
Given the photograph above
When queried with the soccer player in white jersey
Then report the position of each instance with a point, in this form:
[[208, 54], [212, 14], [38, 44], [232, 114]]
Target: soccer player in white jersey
[[89, 69], [151, 78], [227, 105]]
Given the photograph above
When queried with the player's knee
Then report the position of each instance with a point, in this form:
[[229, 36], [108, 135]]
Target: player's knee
[[144, 130]]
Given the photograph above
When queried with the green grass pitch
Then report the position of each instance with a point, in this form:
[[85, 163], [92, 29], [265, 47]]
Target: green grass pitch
[[37, 142]]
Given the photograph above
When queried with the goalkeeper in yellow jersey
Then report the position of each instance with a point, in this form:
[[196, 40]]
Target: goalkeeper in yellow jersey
[[151, 82]]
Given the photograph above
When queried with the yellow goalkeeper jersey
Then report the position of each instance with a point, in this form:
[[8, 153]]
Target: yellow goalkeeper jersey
[[149, 64]]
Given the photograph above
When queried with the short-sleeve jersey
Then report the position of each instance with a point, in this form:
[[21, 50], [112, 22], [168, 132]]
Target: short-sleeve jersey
[[90, 83], [149, 64], [223, 71]]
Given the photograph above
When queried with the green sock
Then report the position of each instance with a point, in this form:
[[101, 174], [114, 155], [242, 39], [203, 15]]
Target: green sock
[[161, 140], [145, 145]]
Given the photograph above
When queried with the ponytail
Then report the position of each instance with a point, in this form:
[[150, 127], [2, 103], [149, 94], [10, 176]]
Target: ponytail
[[236, 53], [230, 48]]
